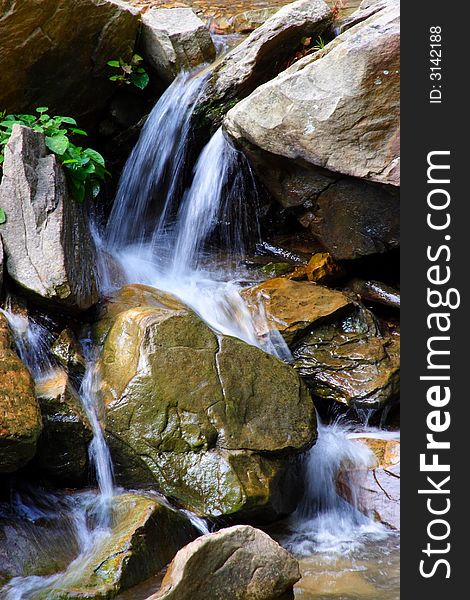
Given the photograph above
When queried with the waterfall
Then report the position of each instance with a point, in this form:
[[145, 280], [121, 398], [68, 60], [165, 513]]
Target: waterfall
[[152, 176], [324, 520]]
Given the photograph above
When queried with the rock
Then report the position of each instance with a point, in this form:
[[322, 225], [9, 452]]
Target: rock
[[20, 419], [320, 269], [352, 219], [294, 307], [175, 39], [1, 264], [237, 563], [263, 54], [62, 451], [184, 402], [351, 361], [379, 494], [63, 49], [364, 10], [144, 537], [375, 291], [67, 351], [249, 20], [318, 109], [46, 237]]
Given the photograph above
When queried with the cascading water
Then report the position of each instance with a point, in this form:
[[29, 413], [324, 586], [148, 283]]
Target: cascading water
[[325, 521]]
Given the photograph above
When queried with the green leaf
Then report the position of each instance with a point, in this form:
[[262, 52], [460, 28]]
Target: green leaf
[[67, 120], [78, 131], [3, 216], [140, 80], [57, 143], [94, 155], [113, 63], [42, 109], [116, 78]]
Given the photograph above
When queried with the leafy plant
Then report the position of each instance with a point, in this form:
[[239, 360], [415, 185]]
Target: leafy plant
[[130, 73], [84, 167], [3, 217]]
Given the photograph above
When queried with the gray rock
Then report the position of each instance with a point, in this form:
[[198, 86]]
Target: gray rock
[[174, 39], [54, 53], [1, 263], [47, 242], [337, 109], [237, 563], [264, 53]]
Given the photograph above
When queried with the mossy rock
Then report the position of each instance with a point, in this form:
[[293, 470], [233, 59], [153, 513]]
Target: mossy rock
[[182, 400], [144, 537]]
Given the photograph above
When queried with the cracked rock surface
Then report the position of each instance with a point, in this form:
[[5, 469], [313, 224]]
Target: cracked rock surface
[[47, 242], [198, 412]]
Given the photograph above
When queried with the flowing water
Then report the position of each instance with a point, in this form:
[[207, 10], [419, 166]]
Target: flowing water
[[183, 226]]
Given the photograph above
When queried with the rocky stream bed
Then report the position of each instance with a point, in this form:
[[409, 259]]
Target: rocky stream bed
[[200, 352]]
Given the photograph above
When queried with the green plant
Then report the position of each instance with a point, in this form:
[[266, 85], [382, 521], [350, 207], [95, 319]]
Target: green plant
[[3, 217], [84, 167], [132, 72], [320, 44]]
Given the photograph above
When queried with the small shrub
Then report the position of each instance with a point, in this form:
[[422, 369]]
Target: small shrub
[[84, 167], [130, 73]]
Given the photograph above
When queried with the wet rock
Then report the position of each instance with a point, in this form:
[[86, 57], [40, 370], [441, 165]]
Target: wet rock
[[379, 494], [294, 307], [240, 563], [144, 537], [352, 361], [318, 109], [375, 291], [20, 419], [185, 402], [264, 53], [67, 351], [321, 268], [62, 451], [175, 39], [353, 219], [47, 242], [63, 49]]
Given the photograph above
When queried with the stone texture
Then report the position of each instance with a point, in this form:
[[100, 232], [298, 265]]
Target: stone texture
[[294, 307], [352, 219], [379, 493], [353, 361], [62, 48], [67, 351], [20, 419], [47, 242], [144, 537], [249, 20], [337, 109], [184, 401], [262, 55], [1, 263], [175, 39], [238, 563], [62, 451]]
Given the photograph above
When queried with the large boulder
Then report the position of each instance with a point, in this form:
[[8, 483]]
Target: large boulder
[[1, 263], [20, 418], [62, 451], [145, 535], [175, 39], [338, 108], [63, 48], [263, 54], [353, 360], [47, 242], [238, 563], [208, 419]]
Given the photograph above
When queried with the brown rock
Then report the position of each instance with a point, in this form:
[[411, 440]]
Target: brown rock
[[293, 307], [54, 53], [20, 418], [238, 563]]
